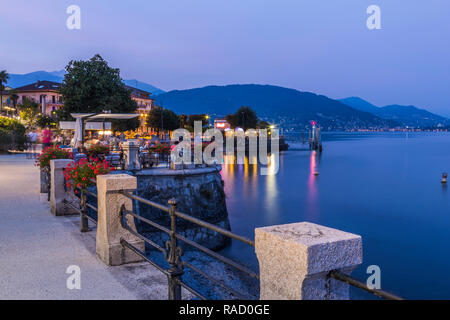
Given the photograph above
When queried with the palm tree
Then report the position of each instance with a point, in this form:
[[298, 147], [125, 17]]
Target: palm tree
[[4, 76], [14, 98]]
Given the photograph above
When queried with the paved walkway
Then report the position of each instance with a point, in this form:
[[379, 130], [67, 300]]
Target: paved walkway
[[36, 248]]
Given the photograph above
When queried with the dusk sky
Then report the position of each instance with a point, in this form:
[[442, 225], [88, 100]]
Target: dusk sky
[[322, 46]]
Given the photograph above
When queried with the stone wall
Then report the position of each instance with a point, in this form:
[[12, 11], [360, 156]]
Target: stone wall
[[199, 193]]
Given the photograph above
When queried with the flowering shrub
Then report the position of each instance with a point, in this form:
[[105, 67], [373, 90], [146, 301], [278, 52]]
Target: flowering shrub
[[12, 134], [51, 153], [96, 150], [160, 148], [82, 173]]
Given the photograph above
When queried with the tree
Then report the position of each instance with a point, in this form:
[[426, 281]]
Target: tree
[[14, 97], [29, 111], [43, 121], [197, 117], [183, 120], [93, 87], [263, 125], [4, 76], [245, 118], [163, 119]]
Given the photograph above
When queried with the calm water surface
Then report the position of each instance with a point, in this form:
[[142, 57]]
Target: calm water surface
[[384, 187]]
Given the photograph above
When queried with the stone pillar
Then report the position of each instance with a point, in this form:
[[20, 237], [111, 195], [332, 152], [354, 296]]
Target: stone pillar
[[109, 228], [131, 151], [57, 191], [294, 260]]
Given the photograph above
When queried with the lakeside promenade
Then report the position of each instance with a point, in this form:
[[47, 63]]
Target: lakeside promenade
[[36, 248]]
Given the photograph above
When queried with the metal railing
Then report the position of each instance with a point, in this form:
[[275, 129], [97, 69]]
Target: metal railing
[[48, 181], [83, 207], [340, 276], [173, 252]]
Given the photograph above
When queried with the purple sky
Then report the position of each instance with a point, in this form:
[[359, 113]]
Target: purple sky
[[321, 46]]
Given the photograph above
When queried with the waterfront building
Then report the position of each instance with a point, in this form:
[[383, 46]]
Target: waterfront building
[[145, 103], [6, 98], [46, 93], [221, 124]]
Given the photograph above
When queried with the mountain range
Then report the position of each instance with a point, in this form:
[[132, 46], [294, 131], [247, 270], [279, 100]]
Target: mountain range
[[19, 80], [294, 110], [407, 116], [289, 108]]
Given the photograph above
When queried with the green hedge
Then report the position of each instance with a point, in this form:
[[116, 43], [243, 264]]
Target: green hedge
[[12, 134]]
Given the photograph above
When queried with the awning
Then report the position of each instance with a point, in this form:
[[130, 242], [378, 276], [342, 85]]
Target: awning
[[122, 116], [81, 115]]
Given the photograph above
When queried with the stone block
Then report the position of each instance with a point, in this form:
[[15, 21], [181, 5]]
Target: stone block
[[295, 260], [109, 228], [58, 193]]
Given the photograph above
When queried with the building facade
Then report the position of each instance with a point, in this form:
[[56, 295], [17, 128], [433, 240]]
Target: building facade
[[221, 124], [145, 103], [45, 93]]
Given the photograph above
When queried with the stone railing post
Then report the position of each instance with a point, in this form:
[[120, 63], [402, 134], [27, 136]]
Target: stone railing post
[[295, 259], [58, 193], [109, 228], [131, 151]]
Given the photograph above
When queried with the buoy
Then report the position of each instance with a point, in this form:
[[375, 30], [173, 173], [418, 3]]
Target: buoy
[[316, 173], [444, 177]]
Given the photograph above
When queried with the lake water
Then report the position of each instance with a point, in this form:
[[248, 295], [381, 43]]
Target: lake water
[[385, 187]]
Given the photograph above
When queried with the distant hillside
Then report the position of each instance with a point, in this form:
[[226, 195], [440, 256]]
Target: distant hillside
[[19, 80], [359, 104], [410, 116], [287, 107], [143, 86]]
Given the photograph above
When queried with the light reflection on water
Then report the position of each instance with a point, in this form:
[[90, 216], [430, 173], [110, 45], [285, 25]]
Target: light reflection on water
[[385, 187], [312, 209]]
